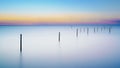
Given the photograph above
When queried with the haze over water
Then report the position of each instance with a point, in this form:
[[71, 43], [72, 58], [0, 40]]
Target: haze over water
[[41, 48]]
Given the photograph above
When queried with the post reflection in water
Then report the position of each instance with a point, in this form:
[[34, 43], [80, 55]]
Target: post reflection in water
[[20, 60]]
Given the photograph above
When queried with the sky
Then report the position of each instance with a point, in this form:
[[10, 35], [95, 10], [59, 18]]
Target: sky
[[59, 11]]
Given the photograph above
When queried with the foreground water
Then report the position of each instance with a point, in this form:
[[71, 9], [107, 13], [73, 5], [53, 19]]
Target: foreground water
[[79, 47]]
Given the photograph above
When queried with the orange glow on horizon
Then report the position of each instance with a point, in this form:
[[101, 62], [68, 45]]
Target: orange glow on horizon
[[54, 19]]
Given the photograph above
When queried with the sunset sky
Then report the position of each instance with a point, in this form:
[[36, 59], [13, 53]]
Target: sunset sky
[[59, 11]]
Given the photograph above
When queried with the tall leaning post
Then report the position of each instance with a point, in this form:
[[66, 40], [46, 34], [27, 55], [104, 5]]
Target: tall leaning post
[[20, 42]]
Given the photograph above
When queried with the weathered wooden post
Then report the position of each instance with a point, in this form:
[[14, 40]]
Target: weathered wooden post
[[77, 32], [109, 29], [87, 31], [20, 42], [94, 30], [59, 36], [101, 28]]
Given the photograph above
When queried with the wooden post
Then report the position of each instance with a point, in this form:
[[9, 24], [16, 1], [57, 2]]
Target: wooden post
[[87, 31], [94, 30], [59, 37], [101, 28], [109, 29], [20, 42], [77, 32]]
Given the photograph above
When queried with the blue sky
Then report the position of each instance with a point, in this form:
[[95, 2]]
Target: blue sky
[[100, 6], [108, 8]]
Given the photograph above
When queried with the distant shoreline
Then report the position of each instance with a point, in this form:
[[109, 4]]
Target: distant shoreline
[[65, 25]]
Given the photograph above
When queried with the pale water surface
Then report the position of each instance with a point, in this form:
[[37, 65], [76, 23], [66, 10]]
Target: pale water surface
[[91, 47]]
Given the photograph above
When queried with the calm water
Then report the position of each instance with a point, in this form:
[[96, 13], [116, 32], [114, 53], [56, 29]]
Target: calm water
[[79, 47]]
